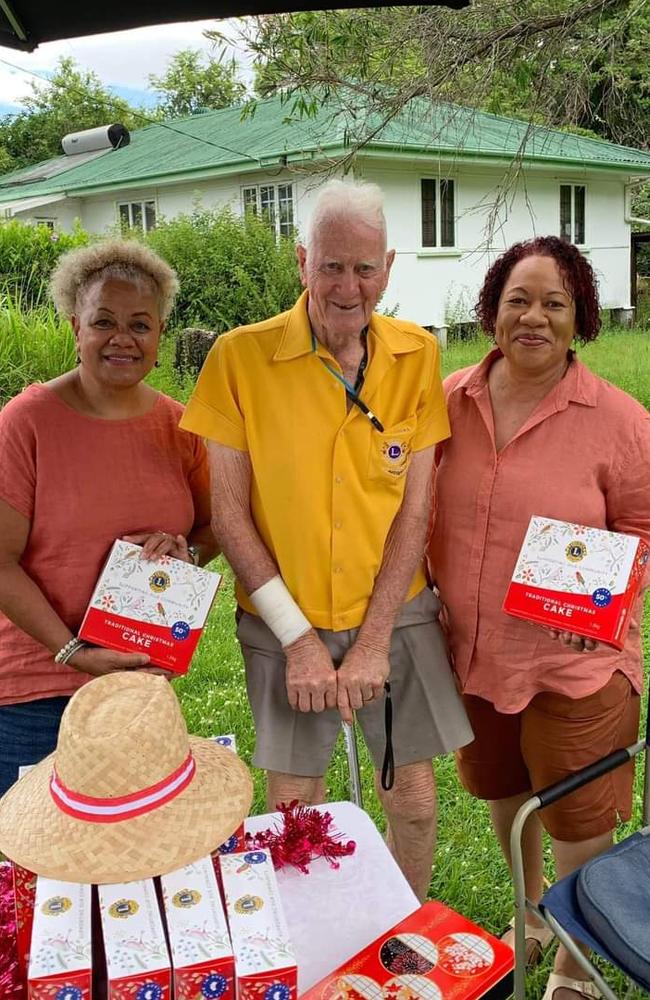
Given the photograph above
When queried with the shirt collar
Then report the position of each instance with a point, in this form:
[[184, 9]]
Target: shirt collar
[[579, 385], [296, 337]]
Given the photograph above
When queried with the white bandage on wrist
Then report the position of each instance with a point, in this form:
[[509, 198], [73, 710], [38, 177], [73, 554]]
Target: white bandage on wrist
[[277, 608]]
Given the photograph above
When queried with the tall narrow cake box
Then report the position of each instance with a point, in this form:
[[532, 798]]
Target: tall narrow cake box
[[202, 959], [158, 608], [235, 841], [578, 579], [137, 960], [265, 963], [60, 961]]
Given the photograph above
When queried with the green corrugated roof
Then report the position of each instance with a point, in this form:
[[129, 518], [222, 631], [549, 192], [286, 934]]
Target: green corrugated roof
[[221, 141]]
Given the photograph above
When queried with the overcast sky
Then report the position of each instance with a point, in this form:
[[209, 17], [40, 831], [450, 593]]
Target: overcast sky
[[122, 60]]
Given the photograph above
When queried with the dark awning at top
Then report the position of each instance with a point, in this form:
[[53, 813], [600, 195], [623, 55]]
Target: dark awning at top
[[24, 24]]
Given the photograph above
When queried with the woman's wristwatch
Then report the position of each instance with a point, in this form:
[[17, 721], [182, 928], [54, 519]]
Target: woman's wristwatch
[[194, 553]]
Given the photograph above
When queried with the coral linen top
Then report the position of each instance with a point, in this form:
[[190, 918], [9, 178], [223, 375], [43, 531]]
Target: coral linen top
[[582, 456], [83, 482]]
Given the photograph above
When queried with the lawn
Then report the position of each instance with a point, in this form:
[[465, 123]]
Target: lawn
[[469, 873]]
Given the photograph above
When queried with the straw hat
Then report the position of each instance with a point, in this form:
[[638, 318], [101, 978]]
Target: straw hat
[[126, 794]]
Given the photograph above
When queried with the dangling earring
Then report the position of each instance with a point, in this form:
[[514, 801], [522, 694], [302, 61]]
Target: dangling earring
[[156, 363], [78, 359]]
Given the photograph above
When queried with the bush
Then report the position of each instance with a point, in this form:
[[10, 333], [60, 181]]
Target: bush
[[27, 255], [35, 345], [231, 270]]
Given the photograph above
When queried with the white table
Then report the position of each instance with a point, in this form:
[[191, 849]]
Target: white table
[[334, 913]]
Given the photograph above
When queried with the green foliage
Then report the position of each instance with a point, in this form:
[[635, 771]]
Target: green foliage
[[231, 270], [35, 345], [192, 83], [27, 255], [70, 101]]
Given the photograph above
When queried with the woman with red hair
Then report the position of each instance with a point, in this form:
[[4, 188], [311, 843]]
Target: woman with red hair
[[535, 432]]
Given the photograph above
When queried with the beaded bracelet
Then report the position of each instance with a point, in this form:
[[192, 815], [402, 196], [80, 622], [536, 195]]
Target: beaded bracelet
[[67, 652]]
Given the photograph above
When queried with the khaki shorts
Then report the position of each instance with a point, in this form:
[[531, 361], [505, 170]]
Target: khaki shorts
[[553, 736], [428, 715]]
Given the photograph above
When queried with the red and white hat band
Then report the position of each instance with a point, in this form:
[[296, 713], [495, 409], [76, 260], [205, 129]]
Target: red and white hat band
[[113, 810]]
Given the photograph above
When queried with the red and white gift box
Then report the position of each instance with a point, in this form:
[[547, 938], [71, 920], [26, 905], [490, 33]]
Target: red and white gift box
[[202, 956], [577, 579], [235, 841], [60, 961], [434, 953], [137, 959], [158, 608], [265, 963]]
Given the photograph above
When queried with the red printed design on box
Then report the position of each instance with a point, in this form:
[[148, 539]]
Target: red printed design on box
[[434, 954], [60, 961], [236, 841], [137, 960], [158, 608], [265, 963], [577, 579], [24, 894], [202, 956]]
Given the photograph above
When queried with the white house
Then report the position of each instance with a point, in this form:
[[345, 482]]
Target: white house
[[460, 186]]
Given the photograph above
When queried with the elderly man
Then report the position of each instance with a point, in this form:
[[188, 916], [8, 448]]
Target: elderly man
[[322, 425]]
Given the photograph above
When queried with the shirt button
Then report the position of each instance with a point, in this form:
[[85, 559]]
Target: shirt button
[[337, 524], [338, 480], [337, 569]]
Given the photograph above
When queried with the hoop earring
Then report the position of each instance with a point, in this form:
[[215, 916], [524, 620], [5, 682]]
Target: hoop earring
[[78, 359], [156, 363]]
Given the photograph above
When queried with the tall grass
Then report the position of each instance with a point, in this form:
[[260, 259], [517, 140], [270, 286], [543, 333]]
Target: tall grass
[[35, 345]]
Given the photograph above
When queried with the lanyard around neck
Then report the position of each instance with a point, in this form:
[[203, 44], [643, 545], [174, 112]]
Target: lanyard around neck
[[350, 389]]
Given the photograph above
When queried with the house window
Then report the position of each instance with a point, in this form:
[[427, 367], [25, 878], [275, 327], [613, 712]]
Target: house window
[[438, 221], [137, 215], [273, 202], [572, 213]]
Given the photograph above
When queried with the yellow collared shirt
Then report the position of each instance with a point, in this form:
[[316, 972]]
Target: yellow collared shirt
[[326, 484]]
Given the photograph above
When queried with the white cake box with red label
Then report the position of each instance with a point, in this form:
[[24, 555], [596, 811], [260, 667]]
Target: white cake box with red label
[[235, 841], [158, 608], [137, 960], [202, 956], [577, 579], [265, 963], [60, 960]]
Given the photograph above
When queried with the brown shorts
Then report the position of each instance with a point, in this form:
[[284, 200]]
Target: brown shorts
[[553, 736], [428, 715]]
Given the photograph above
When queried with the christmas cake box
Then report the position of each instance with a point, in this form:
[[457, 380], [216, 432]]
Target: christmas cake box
[[24, 896], [236, 840], [577, 579], [202, 959], [158, 608], [433, 954], [265, 963], [137, 960], [60, 960]]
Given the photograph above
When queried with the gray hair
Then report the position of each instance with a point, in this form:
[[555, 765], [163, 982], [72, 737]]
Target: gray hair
[[126, 260], [348, 199]]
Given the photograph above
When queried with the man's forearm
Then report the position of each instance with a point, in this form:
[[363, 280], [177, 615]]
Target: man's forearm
[[248, 556], [403, 554]]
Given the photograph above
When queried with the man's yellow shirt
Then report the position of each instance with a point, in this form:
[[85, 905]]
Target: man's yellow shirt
[[326, 484]]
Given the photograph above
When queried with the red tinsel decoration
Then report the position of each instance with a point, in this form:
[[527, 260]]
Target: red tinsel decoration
[[303, 834], [10, 984]]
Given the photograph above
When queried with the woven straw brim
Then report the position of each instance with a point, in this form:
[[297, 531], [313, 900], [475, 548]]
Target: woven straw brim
[[37, 835]]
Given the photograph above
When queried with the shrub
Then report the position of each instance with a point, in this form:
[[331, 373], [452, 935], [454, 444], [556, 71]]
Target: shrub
[[27, 255], [35, 345], [231, 270]]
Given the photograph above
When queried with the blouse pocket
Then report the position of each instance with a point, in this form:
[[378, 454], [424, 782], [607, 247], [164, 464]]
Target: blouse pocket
[[390, 452]]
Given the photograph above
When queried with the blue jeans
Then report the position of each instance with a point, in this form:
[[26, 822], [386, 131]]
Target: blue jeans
[[28, 732]]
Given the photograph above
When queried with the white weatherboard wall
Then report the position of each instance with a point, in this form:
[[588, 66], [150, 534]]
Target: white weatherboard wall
[[433, 287]]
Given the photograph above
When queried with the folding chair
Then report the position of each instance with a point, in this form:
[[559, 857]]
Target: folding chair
[[567, 907]]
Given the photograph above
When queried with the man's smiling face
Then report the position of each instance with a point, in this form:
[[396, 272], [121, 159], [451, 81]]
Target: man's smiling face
[[345, 271]]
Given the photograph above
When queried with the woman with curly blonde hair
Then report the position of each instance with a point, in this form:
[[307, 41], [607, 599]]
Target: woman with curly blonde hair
[[93, 455]]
